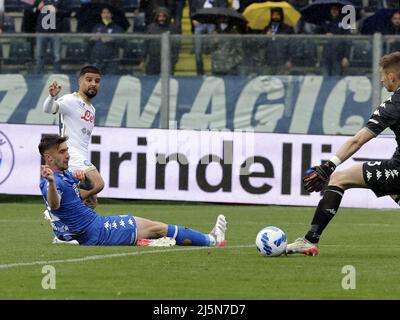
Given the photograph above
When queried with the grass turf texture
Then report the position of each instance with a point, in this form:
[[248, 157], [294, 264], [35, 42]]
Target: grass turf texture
[[365, 239]]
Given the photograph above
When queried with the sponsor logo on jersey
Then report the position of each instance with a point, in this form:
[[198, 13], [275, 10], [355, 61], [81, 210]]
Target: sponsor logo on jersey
[[88, 117], [6, 157]]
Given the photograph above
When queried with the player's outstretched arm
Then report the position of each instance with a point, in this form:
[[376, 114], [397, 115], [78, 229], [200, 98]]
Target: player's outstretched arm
[[352, 145], [317, 177], [49, 105], [53, 197]]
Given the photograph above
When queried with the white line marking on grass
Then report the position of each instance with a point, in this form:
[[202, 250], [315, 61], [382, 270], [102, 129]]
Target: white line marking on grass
[[110, 256]]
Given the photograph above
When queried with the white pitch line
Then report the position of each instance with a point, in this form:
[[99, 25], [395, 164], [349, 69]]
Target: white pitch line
[[166, 250], [110, 256]]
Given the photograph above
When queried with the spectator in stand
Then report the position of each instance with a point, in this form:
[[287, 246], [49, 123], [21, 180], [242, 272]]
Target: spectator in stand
[[42, 41], [29, 19], [105, 51], [149, 7], [119, 14], [202, 28], [179, 6], [394, 29], [278, 51], [394, 24], [226, 54], [152, 48], [335, 53], [88, 14]]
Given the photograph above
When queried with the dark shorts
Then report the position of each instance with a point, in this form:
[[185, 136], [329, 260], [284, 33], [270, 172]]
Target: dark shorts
[[383, 177]]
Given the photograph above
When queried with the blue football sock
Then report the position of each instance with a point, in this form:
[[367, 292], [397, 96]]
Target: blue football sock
[[187, 237]]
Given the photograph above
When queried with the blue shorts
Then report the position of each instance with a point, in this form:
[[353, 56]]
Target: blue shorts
[[61, 230], [109, 231]]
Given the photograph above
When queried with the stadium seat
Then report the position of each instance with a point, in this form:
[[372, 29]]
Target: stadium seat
[[130, 5], [390, 3], [304, 53], [76, 53], [139, 26], [373, 6], [133, 52], [19, 58], [74, 5], [20, 52], [391, 46], [361, 54], [8, 24], [357, 3], [14, 5]]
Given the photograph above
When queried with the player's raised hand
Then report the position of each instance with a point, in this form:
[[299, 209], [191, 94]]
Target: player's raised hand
[[79, 175], [47, 173], [317, 177], [54, 89]]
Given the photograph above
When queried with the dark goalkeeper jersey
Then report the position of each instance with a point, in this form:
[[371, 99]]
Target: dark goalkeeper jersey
[[387, 115]]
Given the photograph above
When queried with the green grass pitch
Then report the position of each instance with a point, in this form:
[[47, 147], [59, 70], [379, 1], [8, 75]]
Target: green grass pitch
[[368, 240]]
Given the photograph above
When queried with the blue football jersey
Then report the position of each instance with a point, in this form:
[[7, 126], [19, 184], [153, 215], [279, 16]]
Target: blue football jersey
[[73, 213]]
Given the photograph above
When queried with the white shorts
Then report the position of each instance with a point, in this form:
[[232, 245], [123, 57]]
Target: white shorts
[[79, 162]]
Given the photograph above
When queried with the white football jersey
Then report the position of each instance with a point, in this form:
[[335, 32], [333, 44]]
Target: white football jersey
[[77, 121]]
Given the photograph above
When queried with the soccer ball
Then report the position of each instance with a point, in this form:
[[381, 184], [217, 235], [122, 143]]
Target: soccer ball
[[271, 242]]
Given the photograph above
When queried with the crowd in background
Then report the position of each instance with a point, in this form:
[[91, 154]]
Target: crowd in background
[[102, 18]]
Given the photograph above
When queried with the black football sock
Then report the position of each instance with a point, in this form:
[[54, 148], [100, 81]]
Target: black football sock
[[326, 210]]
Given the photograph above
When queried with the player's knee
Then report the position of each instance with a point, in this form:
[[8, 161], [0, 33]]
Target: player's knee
[[158, 230], [338, 179]]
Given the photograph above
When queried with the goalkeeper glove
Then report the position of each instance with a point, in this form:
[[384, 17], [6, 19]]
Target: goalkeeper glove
[[316, 177]]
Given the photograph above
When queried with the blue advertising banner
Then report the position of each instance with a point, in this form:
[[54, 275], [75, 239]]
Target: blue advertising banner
[[284, 104]]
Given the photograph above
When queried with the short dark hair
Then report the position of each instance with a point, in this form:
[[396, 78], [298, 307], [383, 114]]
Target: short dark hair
[[50, 141], [89, 69], [391, 62]]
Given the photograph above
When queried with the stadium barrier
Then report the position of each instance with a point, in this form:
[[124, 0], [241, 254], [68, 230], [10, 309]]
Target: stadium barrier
[[193, 165], [282, 104]]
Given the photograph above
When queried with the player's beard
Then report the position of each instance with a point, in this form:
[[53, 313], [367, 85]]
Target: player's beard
[[91, 93], [61, 165]]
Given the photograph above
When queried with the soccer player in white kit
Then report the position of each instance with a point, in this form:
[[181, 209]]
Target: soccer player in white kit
[[77, 123]]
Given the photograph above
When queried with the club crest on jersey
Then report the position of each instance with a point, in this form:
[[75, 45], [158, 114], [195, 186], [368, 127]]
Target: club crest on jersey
[[88, 117], [6, 157], [87, 163]]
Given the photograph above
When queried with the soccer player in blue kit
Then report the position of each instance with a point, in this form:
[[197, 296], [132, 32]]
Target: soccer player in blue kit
[[60, 190]]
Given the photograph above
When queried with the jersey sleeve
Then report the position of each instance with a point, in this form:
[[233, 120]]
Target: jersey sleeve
[[44, 187], [63, 104], [71, 176], [386, 115]]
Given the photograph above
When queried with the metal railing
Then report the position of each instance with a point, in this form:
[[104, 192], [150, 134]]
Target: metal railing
[[222, 55]]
